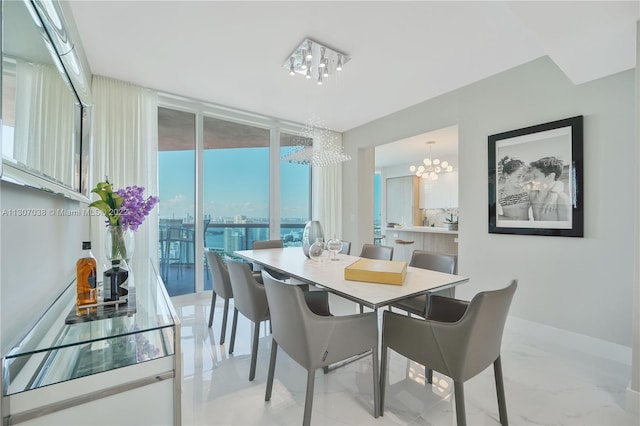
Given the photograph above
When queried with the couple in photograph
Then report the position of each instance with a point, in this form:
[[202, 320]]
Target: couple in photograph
[[533, 191]]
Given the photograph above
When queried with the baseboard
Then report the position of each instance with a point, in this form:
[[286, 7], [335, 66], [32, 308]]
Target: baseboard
[[586, 344], [633, 401]]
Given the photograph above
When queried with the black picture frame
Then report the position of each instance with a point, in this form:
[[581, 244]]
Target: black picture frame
[[541, 165]]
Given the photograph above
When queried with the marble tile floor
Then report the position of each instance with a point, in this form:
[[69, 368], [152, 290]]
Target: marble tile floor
[[548, 381]]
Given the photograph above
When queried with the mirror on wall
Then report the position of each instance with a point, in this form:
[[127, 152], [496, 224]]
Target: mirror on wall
[[45, 99]]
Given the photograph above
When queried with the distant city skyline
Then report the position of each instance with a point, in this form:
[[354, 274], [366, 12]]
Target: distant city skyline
[[236, 182]]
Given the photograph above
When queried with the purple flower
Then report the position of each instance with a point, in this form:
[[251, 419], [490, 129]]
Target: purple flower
[[125, 207], [134, 207]]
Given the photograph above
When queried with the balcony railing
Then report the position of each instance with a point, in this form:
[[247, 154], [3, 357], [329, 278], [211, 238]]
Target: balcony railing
[[176, 248]]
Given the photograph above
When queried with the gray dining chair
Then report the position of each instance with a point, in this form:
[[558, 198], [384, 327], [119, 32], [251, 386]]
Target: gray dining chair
[[458, 339], [374, 251], [268, 244], [315, 341], [346, 247], [221, 287], [250, 300], [433, 261]]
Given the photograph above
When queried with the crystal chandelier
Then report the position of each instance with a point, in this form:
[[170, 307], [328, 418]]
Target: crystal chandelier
[[315, 61], [430, 166], [317, 146]]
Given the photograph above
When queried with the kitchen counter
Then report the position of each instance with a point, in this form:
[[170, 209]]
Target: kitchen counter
[[428, 229], [430, 238]]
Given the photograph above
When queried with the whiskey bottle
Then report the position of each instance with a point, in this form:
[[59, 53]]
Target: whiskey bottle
[[86, 271]]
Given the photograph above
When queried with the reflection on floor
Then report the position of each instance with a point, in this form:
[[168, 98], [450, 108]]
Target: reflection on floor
[[549, 379]]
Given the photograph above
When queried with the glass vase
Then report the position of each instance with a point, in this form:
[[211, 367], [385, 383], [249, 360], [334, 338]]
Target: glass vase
[[312, 231], [119, 243]]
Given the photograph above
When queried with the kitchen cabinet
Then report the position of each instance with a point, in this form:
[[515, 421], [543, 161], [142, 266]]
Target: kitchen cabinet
[[117, 369]]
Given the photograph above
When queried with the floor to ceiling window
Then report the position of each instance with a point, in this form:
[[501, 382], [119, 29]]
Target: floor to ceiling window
[[236, 187], [176, 187], [220, 189], [295, 194]]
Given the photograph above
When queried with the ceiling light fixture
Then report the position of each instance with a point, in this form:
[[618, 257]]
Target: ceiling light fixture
[[313, 59], [292, 70], [317, 146], [430, 166]]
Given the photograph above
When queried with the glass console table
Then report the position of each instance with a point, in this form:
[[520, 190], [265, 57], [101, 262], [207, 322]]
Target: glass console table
[[118, 370]]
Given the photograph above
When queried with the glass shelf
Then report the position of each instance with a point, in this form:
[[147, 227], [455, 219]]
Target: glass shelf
[[53, 351]]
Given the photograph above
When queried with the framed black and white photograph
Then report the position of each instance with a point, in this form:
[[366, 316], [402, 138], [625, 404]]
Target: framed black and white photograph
[[535, 180]]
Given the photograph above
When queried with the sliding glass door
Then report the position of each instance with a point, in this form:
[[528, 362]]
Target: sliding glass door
[[295, 194], [220, 190], [236, 187]]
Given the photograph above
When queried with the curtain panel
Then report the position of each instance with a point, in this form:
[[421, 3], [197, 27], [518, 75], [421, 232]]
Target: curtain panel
[[327, 205], [125, 133]]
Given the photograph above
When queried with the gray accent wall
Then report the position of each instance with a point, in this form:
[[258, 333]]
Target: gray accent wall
[[583, 285], [40, 246]]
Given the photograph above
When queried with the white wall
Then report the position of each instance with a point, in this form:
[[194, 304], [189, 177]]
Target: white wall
[[584, 285], [38, 255]]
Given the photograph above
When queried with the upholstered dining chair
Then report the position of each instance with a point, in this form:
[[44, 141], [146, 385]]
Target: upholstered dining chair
[[268, 244], [346, 247], [458, 339], [374, 251], [221, 287], [434, 261], [315, 341], [250, 300]]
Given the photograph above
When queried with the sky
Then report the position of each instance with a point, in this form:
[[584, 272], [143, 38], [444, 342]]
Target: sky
[[236, 182]]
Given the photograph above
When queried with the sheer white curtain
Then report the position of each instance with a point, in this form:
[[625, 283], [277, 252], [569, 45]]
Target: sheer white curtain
[[125, 133], [44, 121], [328, 202]]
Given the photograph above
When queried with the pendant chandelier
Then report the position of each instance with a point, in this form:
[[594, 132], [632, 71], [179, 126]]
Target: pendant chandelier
[[316, 145], [431, 167]]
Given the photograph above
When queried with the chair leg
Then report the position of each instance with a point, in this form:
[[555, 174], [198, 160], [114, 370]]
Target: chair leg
[[376, 382], [362, 309], [272, 370], [383, 375], [223, 331], [429, 375], [254, 350], [502, 403], [213, 307], [461, 416], [308, 400], [234, 325]]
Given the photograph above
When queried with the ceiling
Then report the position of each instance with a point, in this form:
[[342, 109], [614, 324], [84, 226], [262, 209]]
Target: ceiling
[[402, 53]]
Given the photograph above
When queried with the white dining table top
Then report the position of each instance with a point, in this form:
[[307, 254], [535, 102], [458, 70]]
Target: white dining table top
[[330, 274]]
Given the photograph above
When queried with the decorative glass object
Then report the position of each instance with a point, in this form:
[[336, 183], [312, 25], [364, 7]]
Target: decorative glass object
[[119, 243], [119, 246], [316, 250], [312, 231], [334, 245]]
